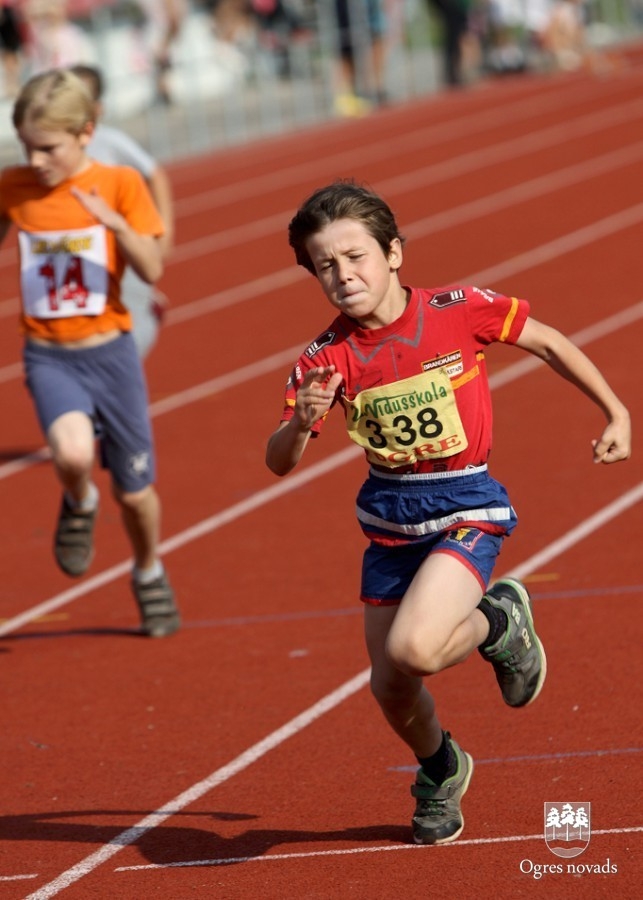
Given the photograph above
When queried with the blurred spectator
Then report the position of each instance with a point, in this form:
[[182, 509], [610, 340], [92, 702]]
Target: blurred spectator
[[232, 21], [279, 23], [114, 147], [10, 46], [564, 38], [454, 17], [163, 22], [52, 41], [361, 27], [504, 28]]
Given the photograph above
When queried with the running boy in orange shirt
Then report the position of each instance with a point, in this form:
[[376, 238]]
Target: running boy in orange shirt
[[79, 224]]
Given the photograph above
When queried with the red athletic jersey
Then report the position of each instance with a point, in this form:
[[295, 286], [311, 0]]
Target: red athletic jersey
[[415, 393]]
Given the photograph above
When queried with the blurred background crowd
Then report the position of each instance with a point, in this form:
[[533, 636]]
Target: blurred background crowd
[[189, 75]]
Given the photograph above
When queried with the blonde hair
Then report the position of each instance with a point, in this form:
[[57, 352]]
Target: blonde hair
[[57, 100]]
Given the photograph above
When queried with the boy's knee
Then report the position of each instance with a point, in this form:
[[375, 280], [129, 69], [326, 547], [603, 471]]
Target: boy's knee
[[413, 656], [73, 457], [132, 500]]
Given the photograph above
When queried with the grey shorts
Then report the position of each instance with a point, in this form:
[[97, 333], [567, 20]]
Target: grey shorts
[[108, 385]]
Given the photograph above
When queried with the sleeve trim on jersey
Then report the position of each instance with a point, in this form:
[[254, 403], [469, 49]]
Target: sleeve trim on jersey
[[509, 320]]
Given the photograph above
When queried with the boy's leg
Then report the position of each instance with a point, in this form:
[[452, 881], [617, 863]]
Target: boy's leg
[[141, 514], [403, 698], [71, 441], [438, 623], [410, 710]]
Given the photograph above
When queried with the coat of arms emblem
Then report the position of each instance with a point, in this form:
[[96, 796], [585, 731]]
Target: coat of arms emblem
[[567, 828]]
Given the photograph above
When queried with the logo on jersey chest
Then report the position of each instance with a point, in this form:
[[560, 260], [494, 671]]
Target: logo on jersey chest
[[452, 363]]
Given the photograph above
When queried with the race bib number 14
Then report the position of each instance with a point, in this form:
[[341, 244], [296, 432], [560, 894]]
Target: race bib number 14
[[63, 273], [408, 421]]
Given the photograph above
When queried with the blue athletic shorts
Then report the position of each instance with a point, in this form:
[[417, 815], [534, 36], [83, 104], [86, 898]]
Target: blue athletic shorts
[[465, 513], [107, 384]]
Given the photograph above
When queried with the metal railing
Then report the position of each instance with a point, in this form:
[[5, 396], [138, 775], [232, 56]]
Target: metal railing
[[226, 93]]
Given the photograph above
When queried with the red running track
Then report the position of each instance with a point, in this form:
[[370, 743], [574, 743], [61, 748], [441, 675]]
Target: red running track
[[244, 757]]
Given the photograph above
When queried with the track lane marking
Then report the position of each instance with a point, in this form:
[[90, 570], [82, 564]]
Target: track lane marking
[[507, 375], [352, 851], [437, 172], [298, 723]]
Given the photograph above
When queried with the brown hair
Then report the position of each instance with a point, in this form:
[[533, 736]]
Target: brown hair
[[56, 100], [92, 77], [344, 199]]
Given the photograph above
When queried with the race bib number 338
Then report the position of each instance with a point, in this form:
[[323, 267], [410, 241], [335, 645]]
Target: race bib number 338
[[408, 421], [63, 273]]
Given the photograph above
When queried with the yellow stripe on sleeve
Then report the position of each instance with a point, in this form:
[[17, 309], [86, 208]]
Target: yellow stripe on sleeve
[[511, 315]]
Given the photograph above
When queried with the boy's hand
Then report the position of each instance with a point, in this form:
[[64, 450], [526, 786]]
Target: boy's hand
[[615, 442], [316, 394], [99, 209]]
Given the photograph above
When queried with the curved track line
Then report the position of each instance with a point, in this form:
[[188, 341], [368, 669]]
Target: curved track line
[[297, 724]]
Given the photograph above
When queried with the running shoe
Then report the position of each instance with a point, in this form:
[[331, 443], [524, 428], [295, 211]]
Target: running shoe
[[159, 614], [74, 539], [438, 817], [518, 657]]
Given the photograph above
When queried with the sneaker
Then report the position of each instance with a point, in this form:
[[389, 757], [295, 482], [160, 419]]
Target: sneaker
[[438, 817], [159, 614], [518, 657], [74, 539]]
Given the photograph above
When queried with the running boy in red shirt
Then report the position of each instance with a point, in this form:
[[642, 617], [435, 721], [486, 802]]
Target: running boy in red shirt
[[407, 366], [79, 223]]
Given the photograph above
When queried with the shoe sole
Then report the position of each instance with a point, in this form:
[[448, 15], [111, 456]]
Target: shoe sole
[[524, 595], [456, 834]]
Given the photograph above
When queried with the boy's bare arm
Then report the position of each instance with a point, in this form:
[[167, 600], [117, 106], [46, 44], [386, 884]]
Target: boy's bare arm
[[571, 363], [161, 191], [141, 251], [314, 398]]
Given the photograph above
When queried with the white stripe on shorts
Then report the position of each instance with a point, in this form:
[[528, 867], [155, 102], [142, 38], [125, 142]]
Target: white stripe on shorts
[[429, 476], [433, 526]]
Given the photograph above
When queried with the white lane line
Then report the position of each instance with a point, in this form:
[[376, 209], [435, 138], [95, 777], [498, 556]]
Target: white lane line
[[250, 756], [17, 877], [244, 507], [451, 168], [293, 727], [425, 138], [287, 357], [580, 532], [428, 136], [383, 848], [505, 376]]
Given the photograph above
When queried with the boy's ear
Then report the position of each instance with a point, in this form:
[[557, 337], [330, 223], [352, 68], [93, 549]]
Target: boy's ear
[[395, 254], [87, 134]]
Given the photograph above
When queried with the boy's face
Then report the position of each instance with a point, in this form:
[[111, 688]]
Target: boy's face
[[54, 155], [356, 275]]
